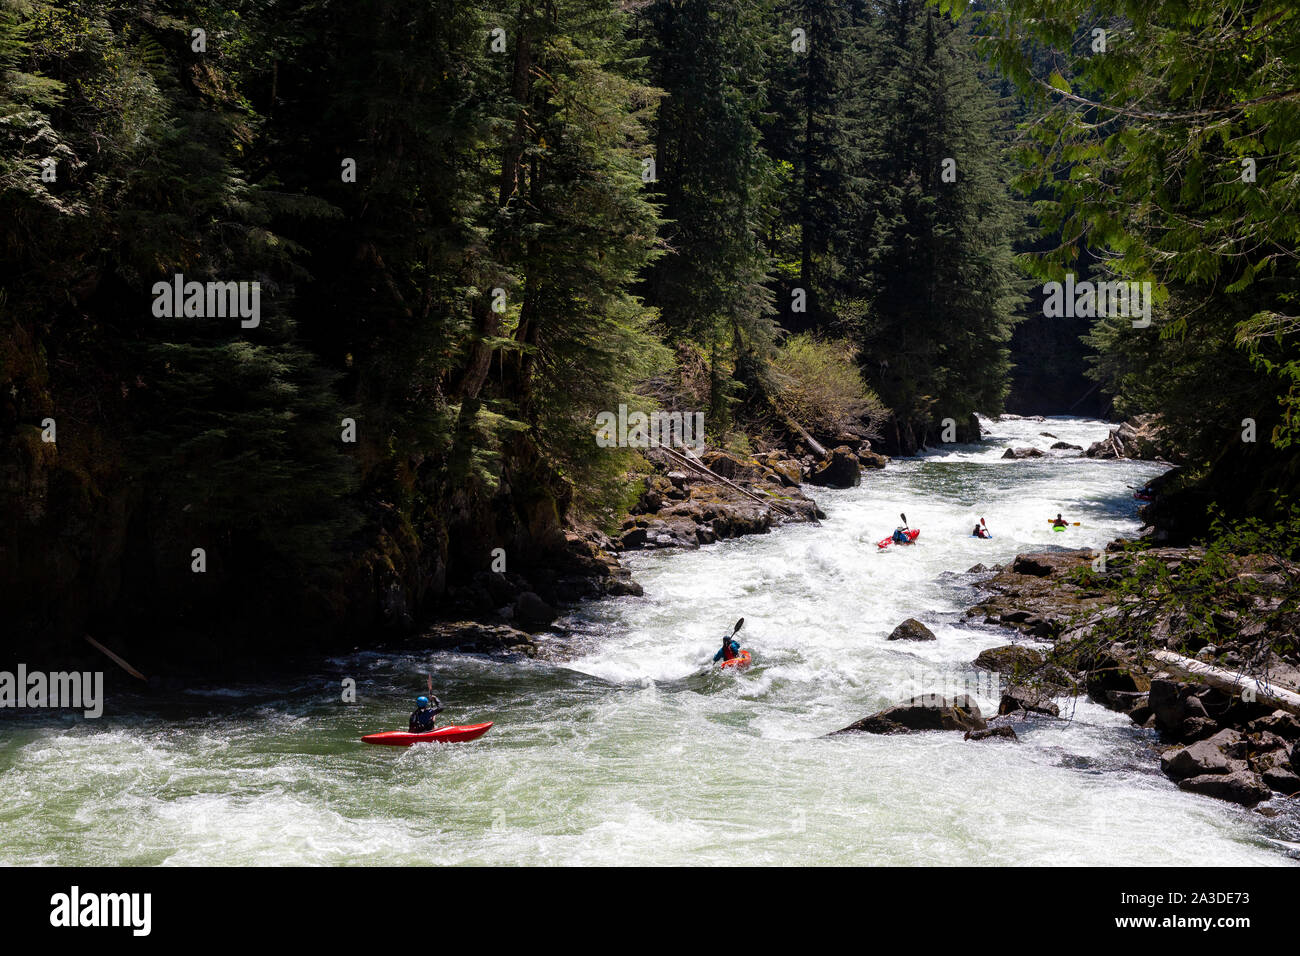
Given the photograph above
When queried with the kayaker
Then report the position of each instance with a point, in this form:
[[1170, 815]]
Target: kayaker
[[900, 535], [729, 651], [1059, 522], [979, 532], [422, 716]]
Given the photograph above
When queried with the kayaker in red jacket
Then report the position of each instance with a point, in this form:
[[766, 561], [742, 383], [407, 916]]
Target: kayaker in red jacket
[[424, 713]]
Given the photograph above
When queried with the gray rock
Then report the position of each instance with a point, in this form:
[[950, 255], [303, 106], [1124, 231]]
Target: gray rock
[[1197, 759], [1009, 659], [928, 712], [1025, 700], [991, 732], [1286, 726], [840, 469], [1022, 453], [531, 609], [1241, 787], [911, 630], [1031, 564]]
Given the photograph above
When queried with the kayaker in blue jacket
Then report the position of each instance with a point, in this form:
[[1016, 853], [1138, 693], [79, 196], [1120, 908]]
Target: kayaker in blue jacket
[[900, 535], [729, 651], [422, 716]]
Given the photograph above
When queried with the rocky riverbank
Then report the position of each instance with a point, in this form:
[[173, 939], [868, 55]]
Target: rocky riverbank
[[1225, 715], [1227, 726]]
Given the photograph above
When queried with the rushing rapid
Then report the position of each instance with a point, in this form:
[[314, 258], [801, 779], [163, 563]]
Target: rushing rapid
[[624, 745]]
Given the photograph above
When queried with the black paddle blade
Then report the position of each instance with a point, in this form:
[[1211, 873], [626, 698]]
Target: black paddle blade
[[904, 517], [738, 626]]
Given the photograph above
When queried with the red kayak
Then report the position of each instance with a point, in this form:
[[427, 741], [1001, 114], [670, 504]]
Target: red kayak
[[911, 539], [445, 735], [740, 661]]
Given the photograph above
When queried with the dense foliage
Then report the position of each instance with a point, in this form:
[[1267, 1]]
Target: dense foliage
[[1165, 140]]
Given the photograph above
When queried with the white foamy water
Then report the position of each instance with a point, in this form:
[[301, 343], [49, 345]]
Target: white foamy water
[[636, 750]]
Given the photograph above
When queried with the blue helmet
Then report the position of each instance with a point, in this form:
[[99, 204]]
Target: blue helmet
[[422, 701]]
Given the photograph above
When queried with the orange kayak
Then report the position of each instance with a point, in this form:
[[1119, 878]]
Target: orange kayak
[[739, 662], [446, 735]]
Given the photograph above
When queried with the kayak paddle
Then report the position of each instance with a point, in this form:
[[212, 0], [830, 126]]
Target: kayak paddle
[[986, 527], [1052, 521]]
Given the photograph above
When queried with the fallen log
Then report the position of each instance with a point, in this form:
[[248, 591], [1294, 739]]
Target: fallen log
[[1279, 698], [117, 660], [695, 463]]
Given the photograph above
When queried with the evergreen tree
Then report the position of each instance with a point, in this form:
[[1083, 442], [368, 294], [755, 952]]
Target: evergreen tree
[[939, 276], [713, 178]]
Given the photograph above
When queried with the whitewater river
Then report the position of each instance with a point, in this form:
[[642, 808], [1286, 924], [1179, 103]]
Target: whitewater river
[[628, 747]]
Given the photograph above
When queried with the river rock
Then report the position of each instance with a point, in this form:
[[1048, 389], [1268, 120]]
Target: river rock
[[482, 638], [911, 630], [1027, 700], [1295, 758], [1066, 446], [1274, 768], [1004, 732], [531, 609], [783, 469], [1115, 685], [871, 459], [1034, 564], [1141, 437], [1241, 787], [732, 466], [928, 712], [1022, 453], [1285, 725], [1219, 754], [839, 469], [1009, 659]]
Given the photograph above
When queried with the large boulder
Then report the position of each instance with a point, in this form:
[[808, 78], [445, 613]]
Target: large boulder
[[839, 469], [928, 712], [911, 630], [531, 610], [1241, 787], [1220, 754], [1033, 564], [1009, 659], [1022, 453]]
